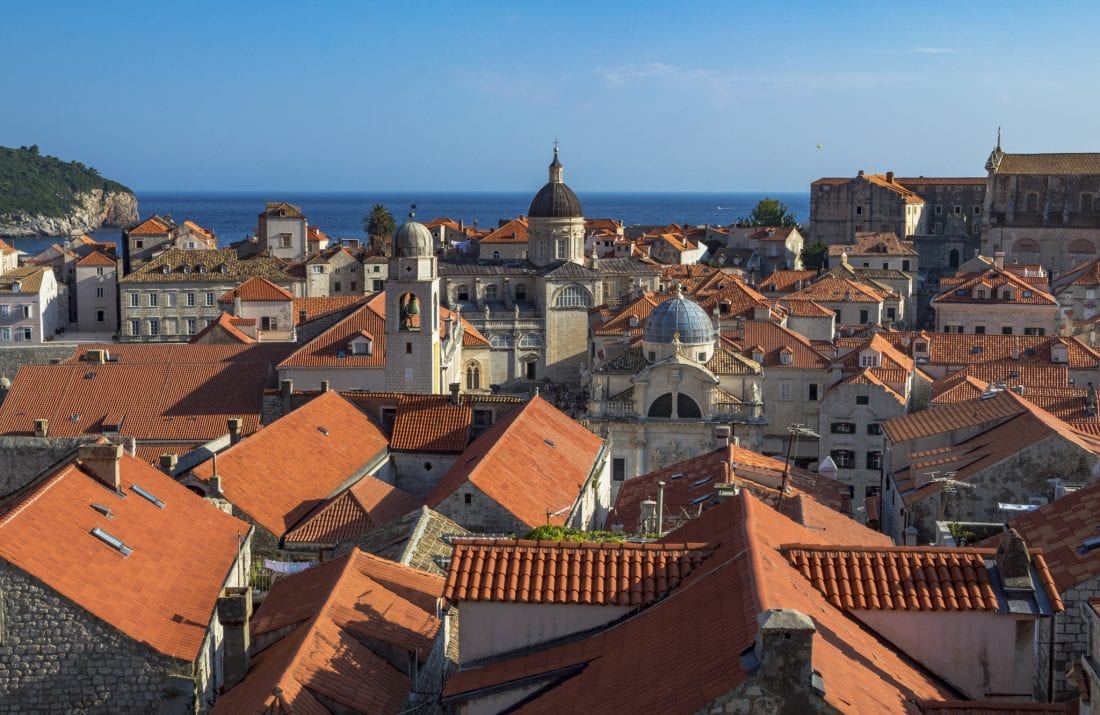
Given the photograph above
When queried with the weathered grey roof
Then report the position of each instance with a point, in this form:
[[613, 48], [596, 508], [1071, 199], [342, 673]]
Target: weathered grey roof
[[627, 266], [417, 539], [458, 266], [1057, 164], [555, 200], [201, 265], [881, 274], [681, 317], [412, 240], [628, 362], [568, 270]]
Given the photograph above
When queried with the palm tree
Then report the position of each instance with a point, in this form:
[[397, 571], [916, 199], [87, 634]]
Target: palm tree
[[379, 224]]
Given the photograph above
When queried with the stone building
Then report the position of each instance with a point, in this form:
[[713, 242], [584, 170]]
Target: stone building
[[534, 466], [954, 206], [1076, 293], [661, 401], [841, 208], [508, 242], [773, 247], [1042, 208], [157, 234], [1002, 448], [265, 312], [282, 230], [885, 259], [30, 311], [996, 301], [96, 293], [107, 606], [175, 295]]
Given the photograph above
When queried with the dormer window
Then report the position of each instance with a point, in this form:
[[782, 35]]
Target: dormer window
[[361, 345], [758, 357], [164, 268], [223, 268], [870, 359], [786, 357], [634, 321], [187, 269], [202, 269]]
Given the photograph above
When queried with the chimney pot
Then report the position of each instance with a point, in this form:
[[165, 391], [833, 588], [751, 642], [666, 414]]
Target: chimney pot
[[41, 428], [784, 649], [660, 507], [129, 445], [168, 463], [1013, 561], [234, 613], [102, 461], [325, 386], [889, 177], [455, 387], [999, 260], [234, 426]]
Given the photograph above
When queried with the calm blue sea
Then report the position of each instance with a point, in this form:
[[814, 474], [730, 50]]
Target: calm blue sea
[[232, 215]]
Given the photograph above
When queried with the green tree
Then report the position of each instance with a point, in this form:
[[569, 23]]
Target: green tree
[[379, 224], [813, 255], [769, 212]]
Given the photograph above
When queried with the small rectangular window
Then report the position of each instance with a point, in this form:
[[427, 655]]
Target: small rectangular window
[[152, 300], [874, 428], [190, 299], [99, 292], [408, 348], [863, 399], [134, 300], [618, 469], [135, 327], [209, 299]]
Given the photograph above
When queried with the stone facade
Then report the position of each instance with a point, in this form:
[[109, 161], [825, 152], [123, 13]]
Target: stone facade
[[96, 294], [840, 208], [30, 308], [1066, 638]]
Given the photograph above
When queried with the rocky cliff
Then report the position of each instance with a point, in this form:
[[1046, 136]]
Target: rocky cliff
[[91, 209]]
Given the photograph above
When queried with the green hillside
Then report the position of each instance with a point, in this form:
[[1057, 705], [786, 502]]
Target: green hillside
[[34, 184]]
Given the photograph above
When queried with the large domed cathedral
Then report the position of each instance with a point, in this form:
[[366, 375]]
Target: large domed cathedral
[[531, 299], [675, 393]]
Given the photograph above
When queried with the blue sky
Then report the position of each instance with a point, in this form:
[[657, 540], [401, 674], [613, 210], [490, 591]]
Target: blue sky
[[449, 96]]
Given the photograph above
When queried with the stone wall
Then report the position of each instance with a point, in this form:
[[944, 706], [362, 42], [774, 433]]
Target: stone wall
[[1071, 641], [24, 458], [482, 514], [56, 657], [11, 358]]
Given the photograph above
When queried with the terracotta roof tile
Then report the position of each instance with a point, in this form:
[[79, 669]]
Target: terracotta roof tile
[[157, 595], [832, 289], [152, 226], [431, 423], [28, 277], [318, 307], [958, 350], [874, 244], [530, 462], [1061, 529], [994, 282], [774, 338], [97, 258], [1058, 164], [690, 486], [514, 231], [257, 289], [348, 620], [598, 574], [205, 265], [225, 328], [368, 503], [164, 392], [687, 637], [905, 578], [887, 182], [280, 474]]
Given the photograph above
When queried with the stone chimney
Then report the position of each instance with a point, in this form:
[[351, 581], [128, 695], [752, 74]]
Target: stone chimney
[[999, 260], [233, 424], [325, 386], [455, 387], [784, 649], [129, 445], [721, 436], [889, 177], [1014, 562], [168, 463], [286, 391], [102, 462], [234, 613], [647, 516], [660, 507], [41, 428], [237, 304]]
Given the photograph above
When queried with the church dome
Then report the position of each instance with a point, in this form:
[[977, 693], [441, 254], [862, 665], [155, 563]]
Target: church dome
[[679, 315], [413, 240], [555, 199]]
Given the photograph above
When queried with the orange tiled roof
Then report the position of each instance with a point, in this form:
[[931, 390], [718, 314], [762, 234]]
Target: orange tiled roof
[[285, 470], [690, 486], [957, 350], [1065, 164], [316, 235], [353, 625], [160, 392], [157, 595], [431, 423], [687, 637], [368, 503], [803, 308], [96, 258], [993, 282], [886, 182], [869, 243], [843, 290], [1086, 275], [530, 463], [902, 578], [774, 338], [515, 231], [1061, 529], [257, 289], [152, 226], [599, 574], [786, 281], [225, 327], [321, 306]]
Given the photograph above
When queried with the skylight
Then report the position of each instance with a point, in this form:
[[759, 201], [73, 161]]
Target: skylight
[[701, 482], [1089, 544], [700, 500], [112, 541], [549, 443], [677, 476], [146, 495], [104, 510]]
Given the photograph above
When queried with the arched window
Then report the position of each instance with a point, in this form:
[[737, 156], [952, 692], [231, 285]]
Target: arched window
[[1082, 245], [500, 340], [531, 340], [409, 314], [462, 292], [473, 376], [573, 296], [1026, 245], [491, 291], [521, 292], [686, 407]]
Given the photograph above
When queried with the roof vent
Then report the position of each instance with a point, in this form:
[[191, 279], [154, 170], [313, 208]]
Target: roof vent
[[676, 476], [89, 376], [323, 431], [1089, 544], [104, 510], [147, 496], [112, 541], [550, 443], [701, 482]]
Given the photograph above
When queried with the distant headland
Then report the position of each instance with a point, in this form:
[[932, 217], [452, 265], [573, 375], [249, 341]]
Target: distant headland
[[45, 196]]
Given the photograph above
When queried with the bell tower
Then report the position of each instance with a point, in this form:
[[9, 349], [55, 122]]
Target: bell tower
[[412, 312]]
